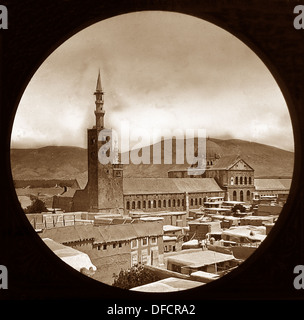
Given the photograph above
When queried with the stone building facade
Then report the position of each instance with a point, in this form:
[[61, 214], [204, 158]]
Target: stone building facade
[[112, 248], [233, 175], [168, 194]]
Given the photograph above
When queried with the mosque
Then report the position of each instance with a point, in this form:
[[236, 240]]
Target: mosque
[[107, 190]]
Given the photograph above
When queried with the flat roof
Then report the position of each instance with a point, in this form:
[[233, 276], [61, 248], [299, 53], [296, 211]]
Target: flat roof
[[169, 227], [250, 232], [233, 202], [72, 257], [203, 274], [217, 209], [151, 218], [168, 285], [169, 238], [200, 258], [213, 202]]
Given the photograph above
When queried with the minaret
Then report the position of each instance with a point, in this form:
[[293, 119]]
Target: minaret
[[99, 112], [105, 180]]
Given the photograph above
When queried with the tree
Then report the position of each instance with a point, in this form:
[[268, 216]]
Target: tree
[[238, 207], [133, 277], [37, 206]]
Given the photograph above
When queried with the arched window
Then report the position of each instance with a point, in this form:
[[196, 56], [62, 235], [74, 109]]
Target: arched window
[[159, 203], [241, 195], [245, 180], [191, 202], [154, 203], [236, 180], [173, 203], [138, 205], [144, 204], [128, 205], [169, 203], [196, 201], [248, 195], [178, 202], [133, 204], [250, 182], [241, 180], [234, 196], [164, 203], [149, 204]]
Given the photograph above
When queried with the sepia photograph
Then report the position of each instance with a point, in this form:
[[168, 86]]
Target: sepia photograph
[[152, 151]]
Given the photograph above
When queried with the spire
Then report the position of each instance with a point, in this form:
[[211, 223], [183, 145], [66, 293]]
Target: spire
[[98, 85], [99, 112]]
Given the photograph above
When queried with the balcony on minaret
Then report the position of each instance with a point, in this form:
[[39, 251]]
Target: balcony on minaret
[[117, 170]]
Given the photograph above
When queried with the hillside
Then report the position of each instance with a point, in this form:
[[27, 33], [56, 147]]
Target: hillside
[[49, 163], [71, 162]]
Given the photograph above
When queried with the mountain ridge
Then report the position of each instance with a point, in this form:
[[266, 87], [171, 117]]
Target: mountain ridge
[[68, 162]]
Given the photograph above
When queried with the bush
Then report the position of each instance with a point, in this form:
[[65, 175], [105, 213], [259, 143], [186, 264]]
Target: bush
[[133, 277], [238, 207], [37, 206]]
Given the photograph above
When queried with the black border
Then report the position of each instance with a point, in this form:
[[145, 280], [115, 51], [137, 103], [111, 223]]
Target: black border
[[35, 30]]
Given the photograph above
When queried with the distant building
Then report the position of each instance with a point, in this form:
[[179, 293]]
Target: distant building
[[112, 248], [235, 176], [232, 174], [173, 218], [268, 209], [50, 183], [200, 260], [172, 194], [173, 238], [74, 258], [278, 189], [199, 230], [245, 234]]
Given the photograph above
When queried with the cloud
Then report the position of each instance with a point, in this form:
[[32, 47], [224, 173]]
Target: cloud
[[158, 69]]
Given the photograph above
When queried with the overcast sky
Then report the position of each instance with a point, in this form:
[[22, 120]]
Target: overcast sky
[[158, 70]]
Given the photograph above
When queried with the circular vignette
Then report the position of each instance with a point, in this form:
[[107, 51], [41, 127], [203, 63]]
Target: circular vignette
[[222, 20]]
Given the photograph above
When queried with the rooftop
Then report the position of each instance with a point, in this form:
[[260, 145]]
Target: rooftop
[[255, 233], [103, 233], [76, 259], [200, 258], [168, 285], [169, 185], [272, 184], [50, 183], [227, 162], [169, 227]]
